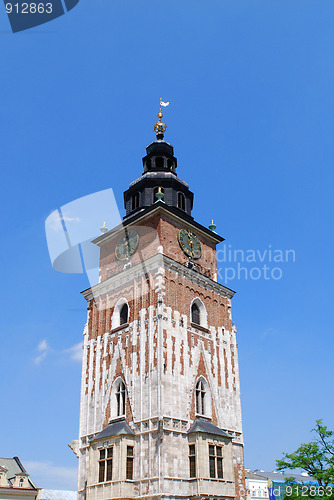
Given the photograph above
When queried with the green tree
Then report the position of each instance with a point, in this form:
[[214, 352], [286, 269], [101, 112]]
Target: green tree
[[316, 458]]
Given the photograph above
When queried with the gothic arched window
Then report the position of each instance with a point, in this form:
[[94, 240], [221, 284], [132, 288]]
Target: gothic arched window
[[181, 201], [120, 398], [200, 398], [195, 314], [124, 314], [135, 201]]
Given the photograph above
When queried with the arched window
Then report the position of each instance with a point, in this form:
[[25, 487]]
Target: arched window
[[120, 398], [159, 162], [121, 314], [124, 314], [155, 190], [135, 201], [169, 164], [198, 313], [200, 398], [181, 201], [195, 314]]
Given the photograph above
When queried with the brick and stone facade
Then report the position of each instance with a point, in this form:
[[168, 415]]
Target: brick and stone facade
[[159, 355]]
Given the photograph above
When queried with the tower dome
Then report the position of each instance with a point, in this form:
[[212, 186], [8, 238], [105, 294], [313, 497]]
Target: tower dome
[[159, 176]]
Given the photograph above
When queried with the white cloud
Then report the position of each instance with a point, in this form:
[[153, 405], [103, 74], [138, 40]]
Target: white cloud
[[54, 221], [53, 477], [43, 345], [43, 348], [75, 352]]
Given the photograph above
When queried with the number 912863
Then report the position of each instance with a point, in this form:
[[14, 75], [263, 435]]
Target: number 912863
[[29, 8]]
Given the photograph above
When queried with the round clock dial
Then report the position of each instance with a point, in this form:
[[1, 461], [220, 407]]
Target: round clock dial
[[190, 243], [127, 245]]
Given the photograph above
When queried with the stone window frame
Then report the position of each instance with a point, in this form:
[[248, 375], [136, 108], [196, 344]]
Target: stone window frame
[[105, 462], [216, 460], [192, 460], [114, 401], [116, 316], [129, 462], [120, 394], [203, 315], [206, 401]]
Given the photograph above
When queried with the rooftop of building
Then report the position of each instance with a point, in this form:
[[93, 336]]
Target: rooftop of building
[[276, 476], [13, 467], [57, 495]]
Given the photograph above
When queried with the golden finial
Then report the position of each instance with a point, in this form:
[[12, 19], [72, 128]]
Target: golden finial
[[160, 127], [212, 226], [104, 228], [159, 194]]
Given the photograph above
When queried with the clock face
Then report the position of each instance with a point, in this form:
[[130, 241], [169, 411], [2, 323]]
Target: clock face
[[190, 243], [127, 245]]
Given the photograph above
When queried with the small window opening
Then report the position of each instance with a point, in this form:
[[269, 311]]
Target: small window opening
[[169, 164], [192, 460], [195, 314], [200, 398], [135, 201], [124, 314], [181, 202], [120, 398], [129, 462], [159, 162]]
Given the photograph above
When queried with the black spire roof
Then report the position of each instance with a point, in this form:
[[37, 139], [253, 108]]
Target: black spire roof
[[159, 180]]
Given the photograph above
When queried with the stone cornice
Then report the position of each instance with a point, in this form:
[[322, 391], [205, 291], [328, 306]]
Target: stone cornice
[[151, 264], [158, 207]]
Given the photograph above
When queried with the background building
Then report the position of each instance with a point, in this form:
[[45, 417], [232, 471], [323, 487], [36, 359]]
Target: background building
[[256, 486], [258, 481], [15, 483]]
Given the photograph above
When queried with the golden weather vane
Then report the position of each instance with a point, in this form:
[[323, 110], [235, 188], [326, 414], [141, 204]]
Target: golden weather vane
[[160, 127]]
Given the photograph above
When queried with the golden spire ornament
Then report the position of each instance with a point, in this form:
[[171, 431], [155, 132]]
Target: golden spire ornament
[[160, 127]]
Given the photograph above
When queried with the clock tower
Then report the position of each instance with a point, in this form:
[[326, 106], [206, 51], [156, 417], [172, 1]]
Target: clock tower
[[160, 412]]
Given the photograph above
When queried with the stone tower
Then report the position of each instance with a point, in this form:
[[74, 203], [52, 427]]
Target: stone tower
[[160, 409]]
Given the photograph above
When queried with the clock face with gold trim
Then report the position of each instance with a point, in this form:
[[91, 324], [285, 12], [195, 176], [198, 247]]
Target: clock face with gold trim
[[190, 243], [127, 245]]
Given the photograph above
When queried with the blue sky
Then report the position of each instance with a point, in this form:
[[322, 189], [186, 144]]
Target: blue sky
[[251, 120]]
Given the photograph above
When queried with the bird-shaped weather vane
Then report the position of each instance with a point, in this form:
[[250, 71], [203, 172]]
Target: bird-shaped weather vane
[[160, 127]]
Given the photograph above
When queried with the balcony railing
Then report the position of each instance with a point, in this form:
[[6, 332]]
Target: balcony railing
[[198, 268]]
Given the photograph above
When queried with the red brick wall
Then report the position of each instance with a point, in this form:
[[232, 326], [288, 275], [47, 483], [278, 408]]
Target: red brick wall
[[239, 477], [154, 231]]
